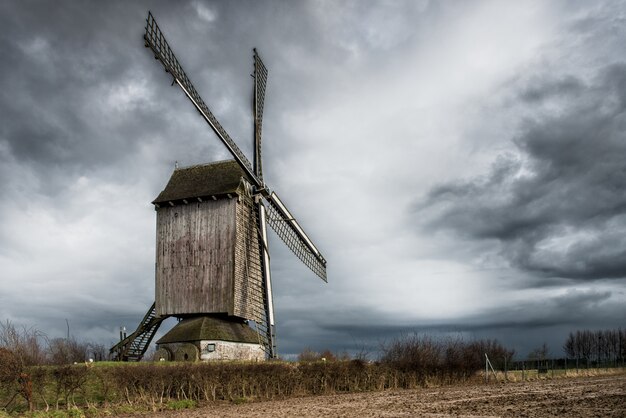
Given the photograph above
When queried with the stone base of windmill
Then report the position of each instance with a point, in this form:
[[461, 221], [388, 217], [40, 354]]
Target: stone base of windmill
[[210, 338]]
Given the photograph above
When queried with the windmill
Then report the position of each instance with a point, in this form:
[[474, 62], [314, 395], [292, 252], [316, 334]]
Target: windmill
[[213, 264]]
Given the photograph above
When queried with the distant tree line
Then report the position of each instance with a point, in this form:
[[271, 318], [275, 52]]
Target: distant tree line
[[599, 347]]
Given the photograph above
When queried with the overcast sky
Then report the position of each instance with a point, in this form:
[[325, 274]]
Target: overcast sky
[[460, 164]]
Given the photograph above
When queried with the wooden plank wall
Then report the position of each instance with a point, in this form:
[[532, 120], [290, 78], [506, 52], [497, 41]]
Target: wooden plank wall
[[195, 260], [249, 294]]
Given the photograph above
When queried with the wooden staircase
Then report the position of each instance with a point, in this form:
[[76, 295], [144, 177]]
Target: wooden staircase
[[133, 347]]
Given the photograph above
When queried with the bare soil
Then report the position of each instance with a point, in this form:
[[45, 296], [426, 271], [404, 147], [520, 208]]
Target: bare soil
[[600, 396]]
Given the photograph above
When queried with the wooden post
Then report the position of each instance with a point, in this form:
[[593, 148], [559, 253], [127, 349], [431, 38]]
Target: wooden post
[[486, 369], [523, 371], [487, 366], [506, 377]]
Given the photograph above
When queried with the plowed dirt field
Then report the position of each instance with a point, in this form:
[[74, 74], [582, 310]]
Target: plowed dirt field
[[602, 396]]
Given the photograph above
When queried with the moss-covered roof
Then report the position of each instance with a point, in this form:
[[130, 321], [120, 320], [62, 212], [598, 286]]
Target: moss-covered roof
[[218, 178], [210, 328]]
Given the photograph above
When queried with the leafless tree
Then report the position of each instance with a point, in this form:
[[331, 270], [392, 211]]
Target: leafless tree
[[570, 348], [308, 355], [64, 351], [25, 343], [599, 346]]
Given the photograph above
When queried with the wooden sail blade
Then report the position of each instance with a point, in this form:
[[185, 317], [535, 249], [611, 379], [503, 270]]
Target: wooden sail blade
[[155, 40], [260, 82], [292, 234]]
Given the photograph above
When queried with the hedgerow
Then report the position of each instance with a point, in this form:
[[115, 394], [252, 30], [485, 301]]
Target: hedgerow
[[407, 362], [155, 386]]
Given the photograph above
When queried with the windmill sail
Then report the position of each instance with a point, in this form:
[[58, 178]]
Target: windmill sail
[[260, 81], [292, 234], [156, 41]]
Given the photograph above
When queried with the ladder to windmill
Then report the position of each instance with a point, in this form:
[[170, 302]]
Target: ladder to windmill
[[134, 346]]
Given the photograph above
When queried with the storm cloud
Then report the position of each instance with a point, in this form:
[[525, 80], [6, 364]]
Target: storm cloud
[[555, 203]]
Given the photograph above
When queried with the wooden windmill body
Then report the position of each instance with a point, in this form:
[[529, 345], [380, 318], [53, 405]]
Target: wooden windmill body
[[207, 249], [208, 264], [212, 259]]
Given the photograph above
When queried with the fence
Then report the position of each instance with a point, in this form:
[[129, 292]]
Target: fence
[[521, 370]]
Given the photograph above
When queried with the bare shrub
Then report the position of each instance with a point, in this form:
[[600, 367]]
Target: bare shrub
[[127, 381], [328, 355], [313, 377], [414, 359], [67, 351], [68, 380], [274, 380], [308, 355], [10, 368], [25, 343], [96, 351], [415, 356], [104, 383], [476, 350], [13, 378], [40, 378]]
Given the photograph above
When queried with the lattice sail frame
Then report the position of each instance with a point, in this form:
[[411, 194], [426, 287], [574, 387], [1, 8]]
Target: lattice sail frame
[[155, 40], [260, 83], [284, 224]]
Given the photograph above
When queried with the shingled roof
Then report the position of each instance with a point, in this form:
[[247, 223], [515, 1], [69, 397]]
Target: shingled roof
[[210, 328], [218, 178]]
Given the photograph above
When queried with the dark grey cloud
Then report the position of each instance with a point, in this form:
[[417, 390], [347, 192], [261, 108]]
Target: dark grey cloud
[[556, 207], [541, 89], [60, 64], [524, 325]]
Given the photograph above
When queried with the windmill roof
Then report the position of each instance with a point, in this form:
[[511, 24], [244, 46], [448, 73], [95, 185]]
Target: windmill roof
[[210, 328], [218, 178]]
